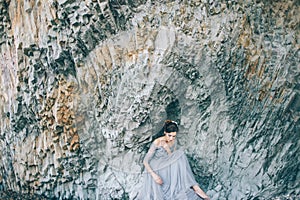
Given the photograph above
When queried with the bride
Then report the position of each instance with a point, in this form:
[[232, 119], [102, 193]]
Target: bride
[[168, 173]]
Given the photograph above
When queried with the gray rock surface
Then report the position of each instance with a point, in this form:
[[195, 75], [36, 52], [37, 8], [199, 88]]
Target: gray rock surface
[[86, 86]]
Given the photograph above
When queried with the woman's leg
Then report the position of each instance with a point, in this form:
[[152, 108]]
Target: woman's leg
[[200, 192]]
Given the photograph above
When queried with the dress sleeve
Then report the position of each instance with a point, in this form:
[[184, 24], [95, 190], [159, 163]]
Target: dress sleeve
[[150, 153], [149, 156]]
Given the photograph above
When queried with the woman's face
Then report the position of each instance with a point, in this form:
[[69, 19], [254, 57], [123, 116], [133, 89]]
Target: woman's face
[[170, 136]]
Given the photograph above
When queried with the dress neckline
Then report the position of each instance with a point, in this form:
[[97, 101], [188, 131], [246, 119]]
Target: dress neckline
[[169, 149]]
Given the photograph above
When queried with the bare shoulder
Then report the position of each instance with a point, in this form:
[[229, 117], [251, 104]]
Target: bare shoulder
[[156, 141], [159, 141]]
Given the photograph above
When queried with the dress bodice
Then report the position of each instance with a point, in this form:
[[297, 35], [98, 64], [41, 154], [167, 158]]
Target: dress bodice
[[160, 152]]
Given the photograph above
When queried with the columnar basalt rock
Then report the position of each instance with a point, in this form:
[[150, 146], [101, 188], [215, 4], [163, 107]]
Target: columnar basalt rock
[[86, 85]]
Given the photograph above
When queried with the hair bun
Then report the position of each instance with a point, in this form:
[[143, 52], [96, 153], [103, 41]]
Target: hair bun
[[170, 126]]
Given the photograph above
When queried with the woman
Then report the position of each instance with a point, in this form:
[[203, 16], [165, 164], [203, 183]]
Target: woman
[[169, 175]]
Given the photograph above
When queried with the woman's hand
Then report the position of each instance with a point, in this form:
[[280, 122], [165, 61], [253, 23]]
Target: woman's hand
[[157, 179]]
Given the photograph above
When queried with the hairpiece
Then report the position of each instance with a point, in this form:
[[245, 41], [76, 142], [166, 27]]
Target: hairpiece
[[170, 121]]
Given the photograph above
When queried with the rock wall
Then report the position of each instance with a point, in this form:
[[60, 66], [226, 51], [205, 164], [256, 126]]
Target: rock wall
[[86, 86]]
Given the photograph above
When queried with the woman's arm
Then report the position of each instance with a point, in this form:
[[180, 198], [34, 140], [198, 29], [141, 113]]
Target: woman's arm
[[147, 158]]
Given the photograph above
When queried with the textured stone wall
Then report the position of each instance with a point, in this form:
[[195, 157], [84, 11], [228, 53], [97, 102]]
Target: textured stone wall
[[86, 86]]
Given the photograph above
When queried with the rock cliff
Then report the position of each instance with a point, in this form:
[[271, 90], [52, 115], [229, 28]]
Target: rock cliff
[[86, 86]]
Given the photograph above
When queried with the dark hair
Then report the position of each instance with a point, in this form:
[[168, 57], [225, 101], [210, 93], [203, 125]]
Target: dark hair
[[170, 126]]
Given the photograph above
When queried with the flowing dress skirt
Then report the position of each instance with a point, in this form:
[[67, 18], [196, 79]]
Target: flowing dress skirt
[[176, 174]]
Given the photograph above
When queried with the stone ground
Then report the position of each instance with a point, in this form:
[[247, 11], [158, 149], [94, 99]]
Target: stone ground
[[11, 195]]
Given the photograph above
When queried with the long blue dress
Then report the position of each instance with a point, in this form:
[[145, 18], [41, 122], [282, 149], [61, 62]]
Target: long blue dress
[[174, 170]]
